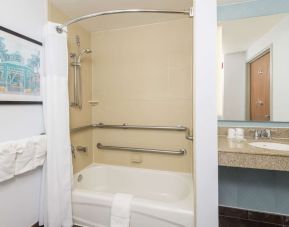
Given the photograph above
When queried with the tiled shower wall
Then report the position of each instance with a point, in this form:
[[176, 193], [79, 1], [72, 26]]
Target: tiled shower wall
[[143, 75]]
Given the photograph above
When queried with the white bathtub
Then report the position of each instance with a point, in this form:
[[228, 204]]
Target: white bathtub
[[162, 199]]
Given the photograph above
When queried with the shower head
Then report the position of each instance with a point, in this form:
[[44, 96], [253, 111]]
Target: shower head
[[84, 51]]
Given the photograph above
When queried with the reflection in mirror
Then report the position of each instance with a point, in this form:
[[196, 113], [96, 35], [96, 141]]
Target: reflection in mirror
[[253, 75]]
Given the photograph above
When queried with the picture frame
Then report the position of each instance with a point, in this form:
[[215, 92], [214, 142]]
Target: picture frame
[[20, 68]]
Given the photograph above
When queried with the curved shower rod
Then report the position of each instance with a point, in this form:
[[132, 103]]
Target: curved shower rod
[[60, 28]]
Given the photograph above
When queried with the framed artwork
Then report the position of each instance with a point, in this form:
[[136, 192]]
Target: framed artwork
[[20, 68]]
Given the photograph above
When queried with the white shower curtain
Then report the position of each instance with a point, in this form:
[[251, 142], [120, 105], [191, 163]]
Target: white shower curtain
[[55, 207]]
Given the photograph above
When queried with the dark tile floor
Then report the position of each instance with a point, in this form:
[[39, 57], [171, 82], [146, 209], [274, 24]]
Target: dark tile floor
[[232, 217]]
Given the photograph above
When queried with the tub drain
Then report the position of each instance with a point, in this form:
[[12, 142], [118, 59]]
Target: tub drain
[[79, 178]]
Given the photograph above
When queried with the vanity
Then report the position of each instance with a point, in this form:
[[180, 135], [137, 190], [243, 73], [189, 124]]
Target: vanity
[[253, 95], [253, 85], [268, 153]]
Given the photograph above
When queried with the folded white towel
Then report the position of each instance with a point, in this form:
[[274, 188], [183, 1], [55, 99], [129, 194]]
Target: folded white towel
[[17, 157], [120, 210], [40, 144], [24, 156], [7, 161], [31, 153]]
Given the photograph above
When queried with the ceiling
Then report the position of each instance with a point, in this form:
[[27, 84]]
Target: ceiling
[[76, 8], [239, 35]]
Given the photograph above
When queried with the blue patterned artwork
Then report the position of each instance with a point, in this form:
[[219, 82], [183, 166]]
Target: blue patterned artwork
[[20, 67]]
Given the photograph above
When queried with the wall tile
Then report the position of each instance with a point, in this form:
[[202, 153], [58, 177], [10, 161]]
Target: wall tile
[[143, 75]]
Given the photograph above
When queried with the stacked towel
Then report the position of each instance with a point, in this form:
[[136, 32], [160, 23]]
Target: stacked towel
[[31, 153], [17, 157], [40, 145], [7, 161], [120, 210]]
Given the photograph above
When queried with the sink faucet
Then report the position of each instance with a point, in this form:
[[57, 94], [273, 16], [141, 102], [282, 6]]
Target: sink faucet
[[263, 133]]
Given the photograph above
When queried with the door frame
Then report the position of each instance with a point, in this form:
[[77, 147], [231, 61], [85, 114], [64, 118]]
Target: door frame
[[205, 120], [268, 49]]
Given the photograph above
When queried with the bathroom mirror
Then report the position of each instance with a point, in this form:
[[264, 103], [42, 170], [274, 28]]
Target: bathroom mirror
[[253, 61]]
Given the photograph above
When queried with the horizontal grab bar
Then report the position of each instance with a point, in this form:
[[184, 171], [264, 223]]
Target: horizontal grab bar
[[126, 126], [146, 150], [137, 127]]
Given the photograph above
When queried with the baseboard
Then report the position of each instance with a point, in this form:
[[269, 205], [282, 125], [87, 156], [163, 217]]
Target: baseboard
[[236, 217]]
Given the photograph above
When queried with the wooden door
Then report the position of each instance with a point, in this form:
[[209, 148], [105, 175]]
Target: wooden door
[[260, 89]]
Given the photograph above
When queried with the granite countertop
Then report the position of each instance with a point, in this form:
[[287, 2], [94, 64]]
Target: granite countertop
[[243, 155], [227, 145]]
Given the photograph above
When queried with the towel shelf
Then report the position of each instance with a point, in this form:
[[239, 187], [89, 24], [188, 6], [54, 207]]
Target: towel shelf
[[136, 127], [145, 150]]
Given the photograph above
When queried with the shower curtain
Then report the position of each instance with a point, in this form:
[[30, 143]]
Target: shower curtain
[[55, 207]]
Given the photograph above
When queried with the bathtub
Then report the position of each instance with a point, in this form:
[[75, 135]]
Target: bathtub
[[161, 198]]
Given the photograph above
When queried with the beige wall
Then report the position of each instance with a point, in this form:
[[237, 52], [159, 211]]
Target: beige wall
[[78, 117], [143, 75]]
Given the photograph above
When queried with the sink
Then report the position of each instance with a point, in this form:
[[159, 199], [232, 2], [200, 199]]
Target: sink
[[271, 146]]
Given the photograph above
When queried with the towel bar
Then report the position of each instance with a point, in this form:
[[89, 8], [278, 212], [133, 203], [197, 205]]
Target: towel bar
[[146, 150]]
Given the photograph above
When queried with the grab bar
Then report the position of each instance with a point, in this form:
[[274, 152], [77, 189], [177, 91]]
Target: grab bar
[[146, 150], [126, 126], [73, 130], [137, 127]]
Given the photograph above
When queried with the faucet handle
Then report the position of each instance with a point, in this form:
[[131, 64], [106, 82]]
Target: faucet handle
[[81, 149], [73, 151], [268, 133]]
